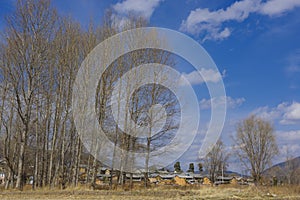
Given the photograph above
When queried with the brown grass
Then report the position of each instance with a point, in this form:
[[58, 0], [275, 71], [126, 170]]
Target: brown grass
[[160, 192]]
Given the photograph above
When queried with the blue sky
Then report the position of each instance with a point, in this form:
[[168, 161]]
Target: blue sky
[[254, 43]]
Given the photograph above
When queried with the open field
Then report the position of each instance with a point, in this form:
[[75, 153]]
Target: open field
[[161, 192]]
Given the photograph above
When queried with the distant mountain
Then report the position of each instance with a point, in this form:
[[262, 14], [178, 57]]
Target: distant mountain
[[231, 173], [288, 171], [294, 163]]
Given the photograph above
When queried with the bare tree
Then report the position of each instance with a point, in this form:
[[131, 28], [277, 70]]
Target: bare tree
[[8, 136], [27, 38], [216, 160], [256, 145], [138, 104]]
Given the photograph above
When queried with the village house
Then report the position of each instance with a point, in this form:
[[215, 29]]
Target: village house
[[231, 180], [163, 177]]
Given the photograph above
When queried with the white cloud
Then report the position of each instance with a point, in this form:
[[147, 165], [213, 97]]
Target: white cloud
[[209, 75], [267, 113], [205, 104], [210, 23], [288, 141], [230, 102], [288, 136], [278, 7], [141, 7], [233, 103], [216, 34], [285, 113], [293, 149], [224, 34], [292, 113], [119, 22]]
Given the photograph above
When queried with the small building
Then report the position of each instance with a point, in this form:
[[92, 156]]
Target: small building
[[165, 177], [162, 171], [198, 178], [234, 181], [230, 180], [153, 180], [222, 180], [135, 177], [103, 177]]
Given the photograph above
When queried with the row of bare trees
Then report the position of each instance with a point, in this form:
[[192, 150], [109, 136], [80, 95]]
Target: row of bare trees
[[41, 53]]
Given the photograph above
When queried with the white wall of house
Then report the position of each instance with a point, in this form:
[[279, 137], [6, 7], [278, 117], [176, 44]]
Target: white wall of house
[[2, 178]]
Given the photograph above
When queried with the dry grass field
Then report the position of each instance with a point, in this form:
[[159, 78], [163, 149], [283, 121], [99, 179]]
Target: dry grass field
[[160, 192]]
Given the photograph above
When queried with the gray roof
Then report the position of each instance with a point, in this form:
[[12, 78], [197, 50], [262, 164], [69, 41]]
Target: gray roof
[[198, 176], [167, 176], [225, 178], [103, 175], [162, 172], [135, 175], [185, 176]]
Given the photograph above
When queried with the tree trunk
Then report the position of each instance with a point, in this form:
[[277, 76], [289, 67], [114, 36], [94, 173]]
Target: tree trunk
[[19, 183]]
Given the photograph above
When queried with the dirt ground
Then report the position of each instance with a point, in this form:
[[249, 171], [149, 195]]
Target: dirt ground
[[201, 192]]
